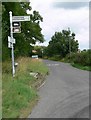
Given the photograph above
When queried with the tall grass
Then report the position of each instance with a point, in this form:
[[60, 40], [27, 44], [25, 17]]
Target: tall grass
[[19, 96], [0, 90]]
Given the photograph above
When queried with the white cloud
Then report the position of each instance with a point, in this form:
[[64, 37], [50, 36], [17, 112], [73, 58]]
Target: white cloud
[[57, 19]]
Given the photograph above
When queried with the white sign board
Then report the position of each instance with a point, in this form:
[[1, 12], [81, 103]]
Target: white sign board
[[11, 40], [20, 18], [16, 30], [9, 45]]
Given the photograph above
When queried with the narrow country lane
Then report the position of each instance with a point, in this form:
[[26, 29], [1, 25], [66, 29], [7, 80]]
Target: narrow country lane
[[65, 93]]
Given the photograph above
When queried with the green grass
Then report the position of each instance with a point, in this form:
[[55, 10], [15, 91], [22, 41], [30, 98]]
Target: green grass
[[38, 67], [0, 90], [79, 66], [88, 68], [19, 97]]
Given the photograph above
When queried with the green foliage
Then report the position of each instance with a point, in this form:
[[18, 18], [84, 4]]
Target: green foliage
[[16, 95], [19, 93], [36, 17], [69, 57], [39, 67], [55, 58], [62, 43], [39, 51], [30, 31], [80, 60], [83, 58], [7, 67], [81, 66]]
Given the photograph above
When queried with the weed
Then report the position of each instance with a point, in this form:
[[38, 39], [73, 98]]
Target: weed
[[18, 92]]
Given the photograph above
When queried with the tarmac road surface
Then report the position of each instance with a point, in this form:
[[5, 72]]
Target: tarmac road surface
[[65, 93]]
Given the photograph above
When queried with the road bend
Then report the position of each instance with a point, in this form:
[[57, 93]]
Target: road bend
[[65, 93]]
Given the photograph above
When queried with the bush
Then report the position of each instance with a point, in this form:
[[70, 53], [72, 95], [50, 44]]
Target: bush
[[7, 67], [82, 58], [56, 58], [70, 58]]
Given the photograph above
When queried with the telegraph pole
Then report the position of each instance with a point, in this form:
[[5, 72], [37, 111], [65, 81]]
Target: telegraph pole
[[12, 52], [70, 46]]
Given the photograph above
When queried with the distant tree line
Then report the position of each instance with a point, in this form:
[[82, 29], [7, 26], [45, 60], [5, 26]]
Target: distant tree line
[[61, 44], [64, 47]]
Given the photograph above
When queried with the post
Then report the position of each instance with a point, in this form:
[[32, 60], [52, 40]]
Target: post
[[70, 47], [12, 52]]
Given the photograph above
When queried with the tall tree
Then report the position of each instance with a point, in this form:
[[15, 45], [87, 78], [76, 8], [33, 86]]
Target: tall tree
[[62, 43], [30, 31]]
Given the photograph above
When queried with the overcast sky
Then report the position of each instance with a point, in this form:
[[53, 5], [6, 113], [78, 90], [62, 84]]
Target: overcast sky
[[58, 15]]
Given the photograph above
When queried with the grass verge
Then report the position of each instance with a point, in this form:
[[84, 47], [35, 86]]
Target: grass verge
[[79, 66], [19, 94], [88, 68], [0, 91]]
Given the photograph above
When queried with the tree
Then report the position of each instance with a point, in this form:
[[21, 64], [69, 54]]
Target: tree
[[38, 50], [30, 31], [62, 43]]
